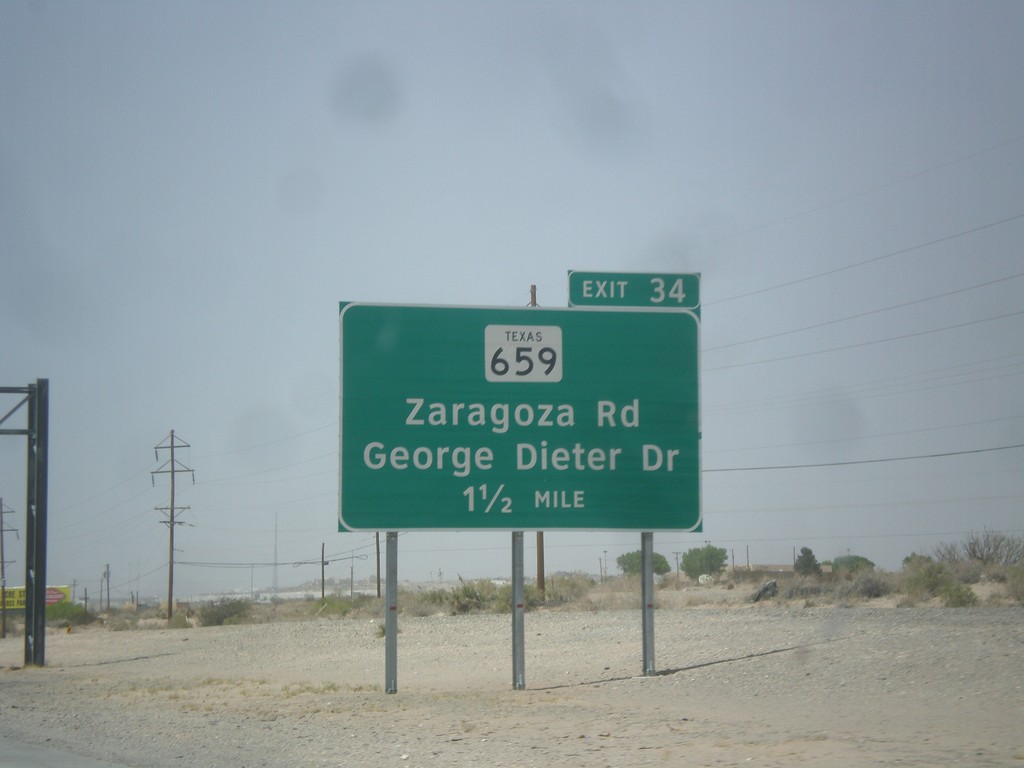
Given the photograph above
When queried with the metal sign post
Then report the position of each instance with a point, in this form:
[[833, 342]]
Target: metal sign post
[[647, 595], [391, 616], [518, 614]]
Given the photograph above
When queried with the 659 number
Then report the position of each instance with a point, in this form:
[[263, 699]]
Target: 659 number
[[523, 353], [524, 361]]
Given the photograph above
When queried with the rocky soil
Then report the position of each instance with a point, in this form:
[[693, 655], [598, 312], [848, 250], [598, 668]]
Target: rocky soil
[[760, 685]]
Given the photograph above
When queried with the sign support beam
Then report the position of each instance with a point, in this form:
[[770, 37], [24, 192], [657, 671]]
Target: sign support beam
[[647, 595], [391, 617], [518, 617]]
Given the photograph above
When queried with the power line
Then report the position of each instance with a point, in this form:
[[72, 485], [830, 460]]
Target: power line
[[868, 343], [864, 314], [872, 260], [224, 480], [867, 437], [900, 504], [272, 442], [784, 401], [867, 461], [854, 196]]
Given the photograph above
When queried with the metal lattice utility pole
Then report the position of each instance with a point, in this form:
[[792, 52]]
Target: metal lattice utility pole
[[37, 430], [171, 467], [4, 510]]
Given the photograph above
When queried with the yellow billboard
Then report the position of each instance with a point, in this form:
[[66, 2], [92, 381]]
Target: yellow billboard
[[14, 597]]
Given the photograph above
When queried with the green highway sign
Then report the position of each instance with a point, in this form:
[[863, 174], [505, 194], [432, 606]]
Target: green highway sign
[[459, 418], [621, 289]]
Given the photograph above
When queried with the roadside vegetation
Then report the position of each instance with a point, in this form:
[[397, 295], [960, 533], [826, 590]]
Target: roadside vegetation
[[985, 568]]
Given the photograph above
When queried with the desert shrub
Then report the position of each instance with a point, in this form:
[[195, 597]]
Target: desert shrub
[[503, 600], [931, 578], [957, 595], [868, 585], [122, 623], [69, 613], [1015, 582], [568, 587], [335, 605], [435, 597], [968, 571], [994, 548], [485, 596], [948, 552], [801, 590], [476, 596], [225, 612], [472, 596], [988, 548], [926, 577]]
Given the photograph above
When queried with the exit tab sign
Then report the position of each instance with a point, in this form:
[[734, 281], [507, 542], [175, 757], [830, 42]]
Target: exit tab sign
[[624, 289]]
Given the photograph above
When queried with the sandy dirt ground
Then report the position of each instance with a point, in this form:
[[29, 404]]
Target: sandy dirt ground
[[757, 685]]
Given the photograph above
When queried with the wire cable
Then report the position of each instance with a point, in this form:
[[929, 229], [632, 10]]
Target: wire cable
[[867, 461]]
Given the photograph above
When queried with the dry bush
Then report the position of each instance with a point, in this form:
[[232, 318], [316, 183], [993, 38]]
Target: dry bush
[[869, 585], [927, 578], [803, 589], [1015, 582], [988, 548]]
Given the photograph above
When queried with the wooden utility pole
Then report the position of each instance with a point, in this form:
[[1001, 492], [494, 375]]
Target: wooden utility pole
[[170, 467], [540, 534], [377, 539], [106, 577]]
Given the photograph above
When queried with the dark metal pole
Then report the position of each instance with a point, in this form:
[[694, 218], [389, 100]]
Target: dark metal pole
[[518, 611], [35, 538], [647, 582], [377, 539], [391, 615]]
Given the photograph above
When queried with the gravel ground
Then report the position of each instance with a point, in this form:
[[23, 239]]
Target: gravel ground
[[754, 685]]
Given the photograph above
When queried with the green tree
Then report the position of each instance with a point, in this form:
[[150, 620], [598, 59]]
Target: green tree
[[707, 559], [630, 563], [914, 560], [806, 563], [852, 564]]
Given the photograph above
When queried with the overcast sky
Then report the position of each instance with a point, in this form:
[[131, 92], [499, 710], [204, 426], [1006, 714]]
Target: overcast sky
[[187, 190]]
